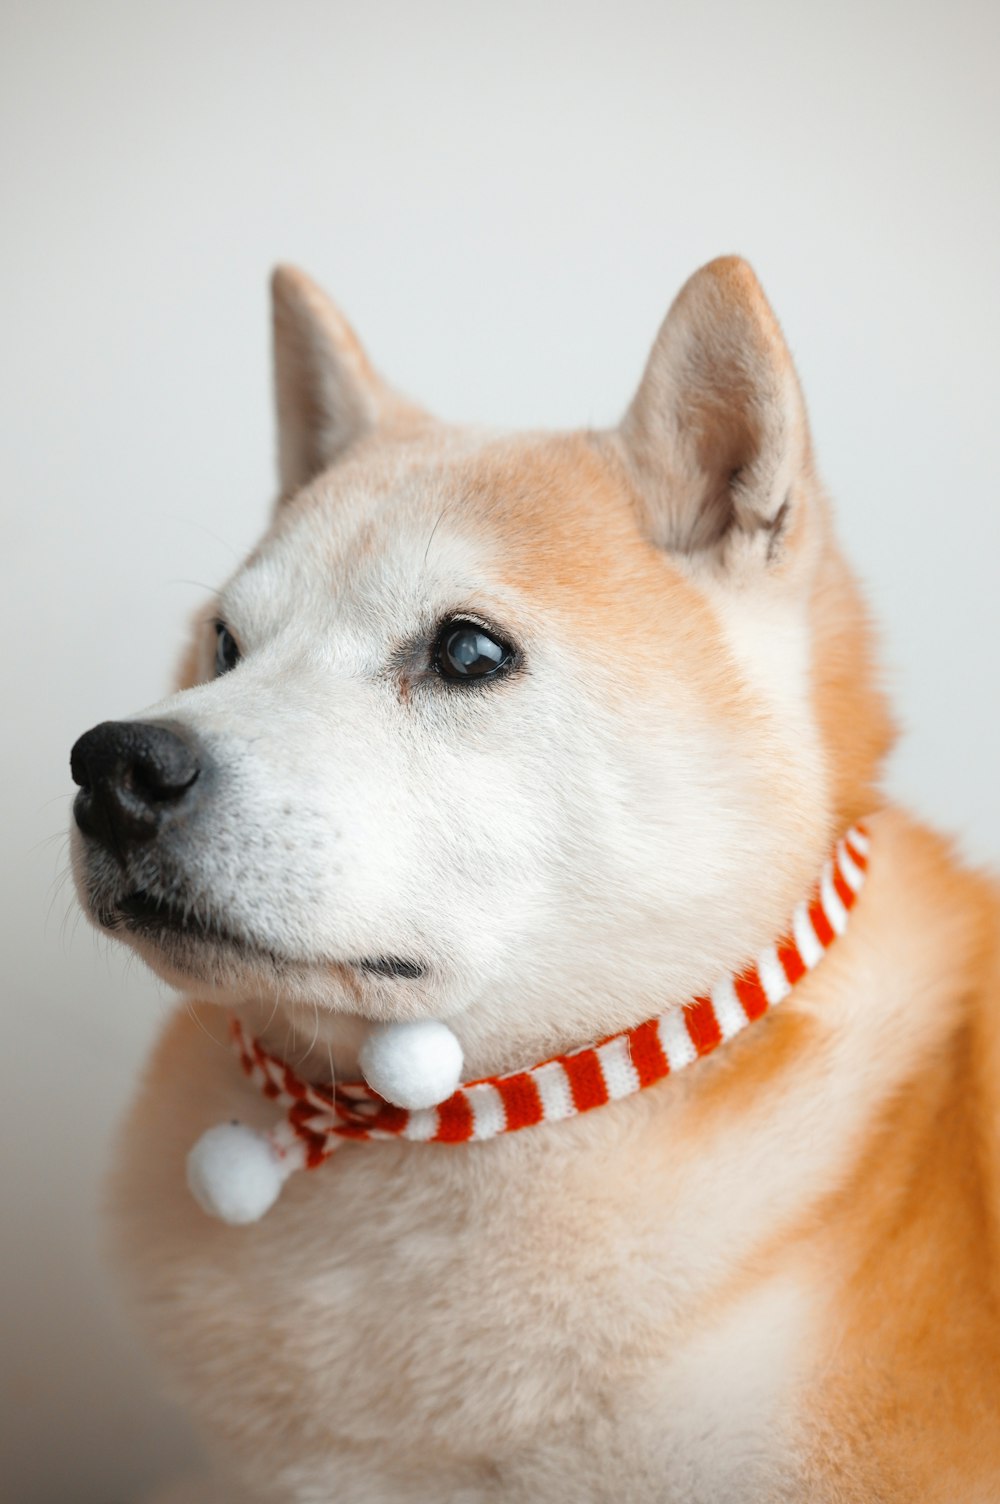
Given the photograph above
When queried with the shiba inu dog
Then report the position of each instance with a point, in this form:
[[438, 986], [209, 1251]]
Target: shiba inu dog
[[539, 737]]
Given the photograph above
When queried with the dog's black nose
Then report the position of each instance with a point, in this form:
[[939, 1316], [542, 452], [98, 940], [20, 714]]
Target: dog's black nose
[[133, 775]]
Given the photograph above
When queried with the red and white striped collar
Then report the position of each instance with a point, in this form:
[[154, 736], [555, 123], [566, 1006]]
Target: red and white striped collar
[[319, 1119]]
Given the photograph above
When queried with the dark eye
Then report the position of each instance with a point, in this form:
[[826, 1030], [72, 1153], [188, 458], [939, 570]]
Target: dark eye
[[465, 651], [227, 653]]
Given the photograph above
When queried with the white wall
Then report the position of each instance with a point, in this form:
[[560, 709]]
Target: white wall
[[504, 200]]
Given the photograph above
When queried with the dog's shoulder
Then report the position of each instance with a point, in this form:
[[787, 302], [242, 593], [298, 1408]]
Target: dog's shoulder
[[904, 1403]]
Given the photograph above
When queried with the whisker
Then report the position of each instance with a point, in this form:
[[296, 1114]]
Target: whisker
[[199, 584], [57, 835], [449, 503], [56, 799], [190, 1009], [58, 886], [209, 533]]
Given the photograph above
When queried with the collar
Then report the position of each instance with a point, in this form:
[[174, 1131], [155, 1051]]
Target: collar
[[236, 1173]]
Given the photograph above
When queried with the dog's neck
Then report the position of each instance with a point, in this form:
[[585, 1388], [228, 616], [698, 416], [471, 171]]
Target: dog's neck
[[320, 1049]]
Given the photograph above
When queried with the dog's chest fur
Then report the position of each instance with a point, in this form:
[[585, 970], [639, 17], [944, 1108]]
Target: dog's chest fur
[[633, 1305], [408, 1302]]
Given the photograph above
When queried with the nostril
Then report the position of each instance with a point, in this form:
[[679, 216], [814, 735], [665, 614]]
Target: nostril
[[160, 774], [91, 816], [129, 774]]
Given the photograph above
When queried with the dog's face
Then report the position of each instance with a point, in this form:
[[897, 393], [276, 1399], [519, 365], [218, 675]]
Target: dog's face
[[499, 730]]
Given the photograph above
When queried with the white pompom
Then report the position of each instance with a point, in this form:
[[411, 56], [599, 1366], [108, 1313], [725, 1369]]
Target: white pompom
[[413, 1065], [235, 1173]]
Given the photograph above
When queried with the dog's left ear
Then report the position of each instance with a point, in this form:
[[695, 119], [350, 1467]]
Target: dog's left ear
[[326, 391], [717, 438]]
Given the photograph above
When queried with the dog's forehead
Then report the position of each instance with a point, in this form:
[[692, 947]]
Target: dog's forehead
[[545, 517], [377, 540]]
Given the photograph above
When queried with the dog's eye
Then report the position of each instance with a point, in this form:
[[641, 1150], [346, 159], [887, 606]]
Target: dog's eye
[[227, 653], [466, 651]]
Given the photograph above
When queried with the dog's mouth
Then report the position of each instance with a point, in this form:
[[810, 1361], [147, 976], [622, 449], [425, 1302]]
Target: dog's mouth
[[168, 923], [146, 913], [152, 917]]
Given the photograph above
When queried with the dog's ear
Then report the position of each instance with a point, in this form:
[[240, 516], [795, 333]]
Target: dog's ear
[[716, 436], [326, 392]]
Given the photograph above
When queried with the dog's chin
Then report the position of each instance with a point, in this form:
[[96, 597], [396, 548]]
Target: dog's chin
[[225, 967], [228, 975], [187, 949]]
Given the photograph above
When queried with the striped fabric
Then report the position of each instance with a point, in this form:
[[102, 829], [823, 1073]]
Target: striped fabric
[[319, 1119]]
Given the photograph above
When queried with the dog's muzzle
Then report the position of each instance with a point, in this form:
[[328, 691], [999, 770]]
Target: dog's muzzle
[[135, 778]]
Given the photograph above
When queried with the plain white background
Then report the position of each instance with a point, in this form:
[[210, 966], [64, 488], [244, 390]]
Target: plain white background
[[504, 200]]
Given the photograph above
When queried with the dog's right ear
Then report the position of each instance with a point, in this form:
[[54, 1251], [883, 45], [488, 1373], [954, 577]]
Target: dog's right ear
[[326, 392]]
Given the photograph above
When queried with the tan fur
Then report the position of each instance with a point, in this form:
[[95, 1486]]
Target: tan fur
[[773, 1278]]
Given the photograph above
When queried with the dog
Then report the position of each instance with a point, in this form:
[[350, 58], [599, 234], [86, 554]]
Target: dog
[[537, 737]]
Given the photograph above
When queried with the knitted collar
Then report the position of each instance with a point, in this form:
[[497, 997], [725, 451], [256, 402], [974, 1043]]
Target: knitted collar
[[236, 1173]]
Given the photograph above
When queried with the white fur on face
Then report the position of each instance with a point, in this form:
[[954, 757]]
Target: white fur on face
[[550, 849]]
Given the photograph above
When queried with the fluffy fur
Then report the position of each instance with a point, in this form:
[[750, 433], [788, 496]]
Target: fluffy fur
[[774, 1280]]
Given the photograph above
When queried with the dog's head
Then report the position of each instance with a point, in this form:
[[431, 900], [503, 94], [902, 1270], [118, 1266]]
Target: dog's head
[[530, 733]]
